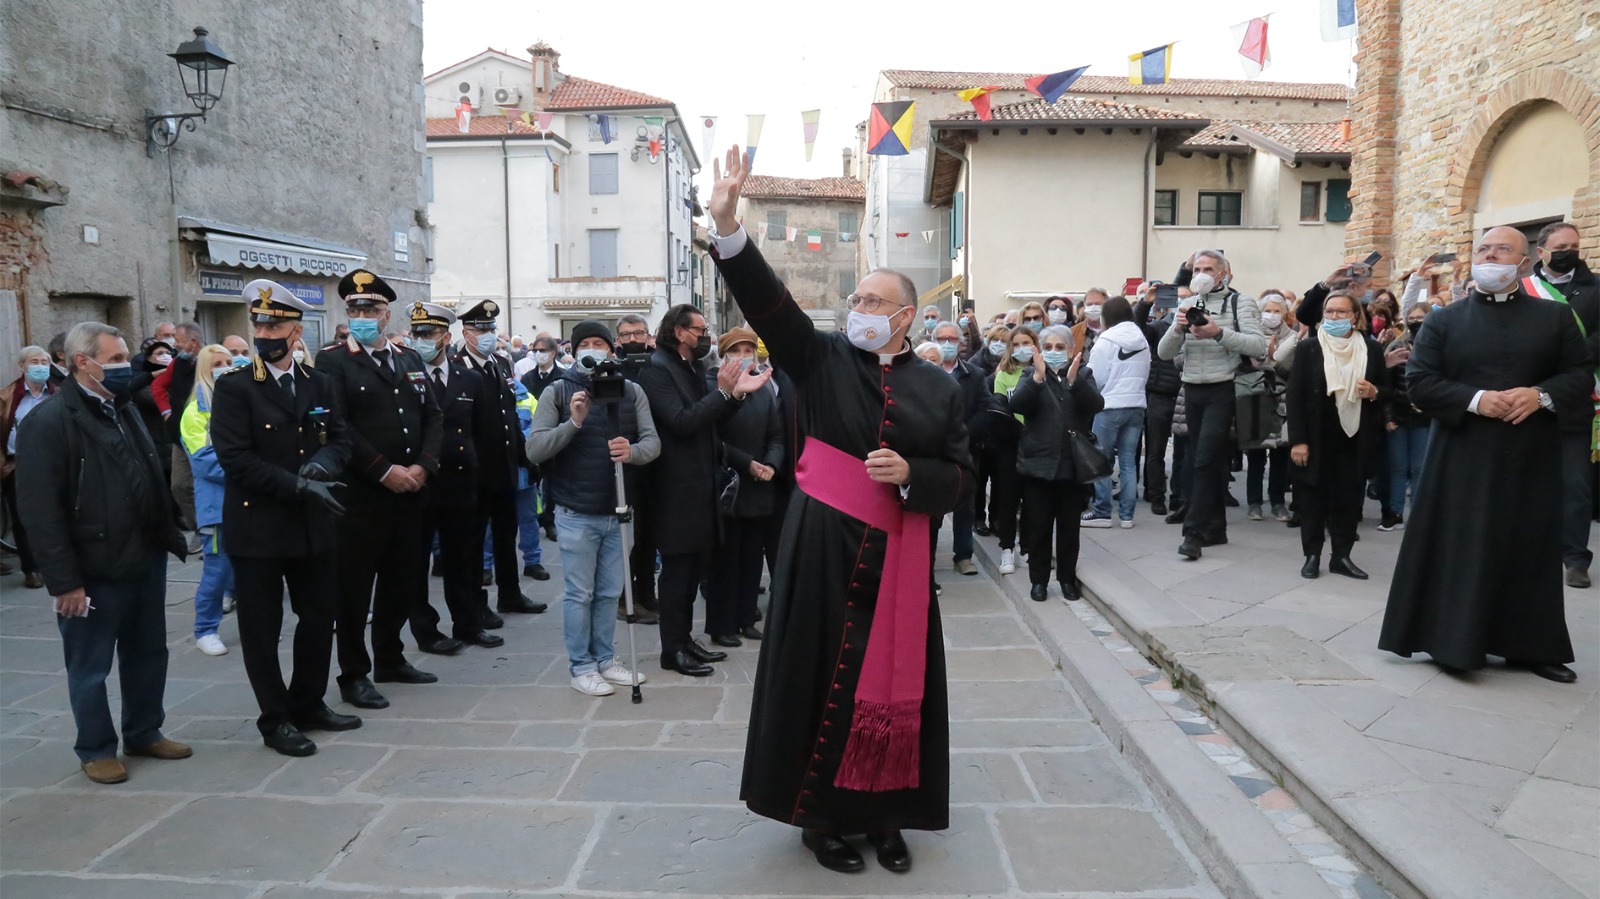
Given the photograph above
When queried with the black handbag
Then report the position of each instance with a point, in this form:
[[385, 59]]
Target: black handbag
[[1089, 464]]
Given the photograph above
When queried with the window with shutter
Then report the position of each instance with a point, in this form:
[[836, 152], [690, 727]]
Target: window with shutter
[[1339, 200], [602, 173]]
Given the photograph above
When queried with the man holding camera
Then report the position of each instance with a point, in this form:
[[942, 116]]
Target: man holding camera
[[1217, 334], [586, 423]]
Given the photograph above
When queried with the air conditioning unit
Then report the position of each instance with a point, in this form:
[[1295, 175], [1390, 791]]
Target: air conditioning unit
[[507, 96], [470, 93]]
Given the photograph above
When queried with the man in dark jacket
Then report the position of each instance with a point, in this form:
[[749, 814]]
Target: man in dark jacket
[[1558, 264], [91, 494], [578, 439], [681, 505], [974, 397]]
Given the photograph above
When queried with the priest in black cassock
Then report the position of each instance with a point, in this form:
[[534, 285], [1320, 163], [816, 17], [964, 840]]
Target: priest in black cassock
[[849, 729], [1479, 571]]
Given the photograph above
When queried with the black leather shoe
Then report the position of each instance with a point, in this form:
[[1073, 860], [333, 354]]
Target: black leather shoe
[[483, 638], [362, 694], [286, 739], [1294, 520], [1189, 548], [535, 571], [1312, 569], [683, 663], [751, 633], [1561, 674], [403, 673], [325, 719], [441, 645], [1229, 500], [492, 621], [697, 651], [1157, 507], [893, 854], [520, 605], [832, 852], [1069, 591], [982, 531], [729, 641], [1178, 514], [1039, 592], [1343, 565]]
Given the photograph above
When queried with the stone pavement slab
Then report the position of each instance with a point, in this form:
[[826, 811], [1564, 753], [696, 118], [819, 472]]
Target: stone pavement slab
[[1504, 764], [503, 781]]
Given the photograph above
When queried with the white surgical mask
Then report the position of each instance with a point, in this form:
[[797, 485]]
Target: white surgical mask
[[1057, 315], [162, 359], [299, 355], [1202, 284], [869, 332], [1494, 277], [589, 357], [1271, 320], [1092, 313], [541, 358]]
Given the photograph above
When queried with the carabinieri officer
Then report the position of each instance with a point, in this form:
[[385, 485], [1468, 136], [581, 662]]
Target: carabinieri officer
[[281, 440]]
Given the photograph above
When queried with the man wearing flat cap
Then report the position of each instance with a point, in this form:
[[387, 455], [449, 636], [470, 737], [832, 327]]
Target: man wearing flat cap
[[395, 434], [499, 458], [281, 439]]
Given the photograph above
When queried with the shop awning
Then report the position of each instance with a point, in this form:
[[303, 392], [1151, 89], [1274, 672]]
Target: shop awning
[[243, 247]]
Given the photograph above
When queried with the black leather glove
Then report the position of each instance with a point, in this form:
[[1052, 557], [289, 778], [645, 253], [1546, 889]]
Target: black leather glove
[[311, 471], [321, 493]]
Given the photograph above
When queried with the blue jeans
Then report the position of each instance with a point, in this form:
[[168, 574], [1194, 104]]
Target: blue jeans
[[528, 502], [1408, 446], [129, 621], [216, 581], [1118, 431], [591, 569]]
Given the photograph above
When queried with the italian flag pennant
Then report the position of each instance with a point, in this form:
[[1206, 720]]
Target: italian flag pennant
[[813, 240]]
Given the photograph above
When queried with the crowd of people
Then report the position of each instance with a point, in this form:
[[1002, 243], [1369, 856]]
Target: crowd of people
[[671, 463]]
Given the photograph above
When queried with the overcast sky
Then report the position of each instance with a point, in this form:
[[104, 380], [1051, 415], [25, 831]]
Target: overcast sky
[[732, 59]]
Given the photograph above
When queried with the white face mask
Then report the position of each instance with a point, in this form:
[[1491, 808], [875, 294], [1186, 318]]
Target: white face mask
[[1092, 313], [1271, 320], [162, 359], [1202, 284], [299, 355], [541, 358], [1494, 277], [1057, 315], [870, 332], [589, 357]]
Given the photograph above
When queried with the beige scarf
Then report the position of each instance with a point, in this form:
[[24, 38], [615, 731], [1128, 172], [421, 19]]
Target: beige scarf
[[1344, 364]]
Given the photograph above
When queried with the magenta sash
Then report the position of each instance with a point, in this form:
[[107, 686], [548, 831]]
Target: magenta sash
[[882, 752]]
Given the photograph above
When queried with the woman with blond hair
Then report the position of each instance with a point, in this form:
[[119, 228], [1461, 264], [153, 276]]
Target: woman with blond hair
[[1005, 432], [216, 572]]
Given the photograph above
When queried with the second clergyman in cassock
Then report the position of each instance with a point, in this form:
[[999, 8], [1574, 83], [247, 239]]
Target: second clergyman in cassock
[[1479, 571], [849, 729]]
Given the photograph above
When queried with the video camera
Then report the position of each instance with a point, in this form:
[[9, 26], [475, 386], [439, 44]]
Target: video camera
[[606, 380]]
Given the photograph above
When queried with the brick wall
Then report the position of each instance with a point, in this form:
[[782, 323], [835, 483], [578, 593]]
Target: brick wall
[[1437, 83]]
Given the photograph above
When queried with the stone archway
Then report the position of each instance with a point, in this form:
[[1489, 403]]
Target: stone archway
[[1497, 112]]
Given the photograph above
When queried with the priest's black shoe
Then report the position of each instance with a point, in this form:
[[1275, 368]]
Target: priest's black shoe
[[360, 693], [1215, 541], [535, 571], [403, 673], [751, 633], [1039, 592], [441, 645], [728, 640], [492, 621], [1189, 548], [1157, 507], [1343, 565], [483, 638], [1069, 591], [1561, 674], [1312, 569], [893, 853], [832, 851], [286, 739], [325, 719], [520, 605], [1179, 513], [683, 663], [697, 651]]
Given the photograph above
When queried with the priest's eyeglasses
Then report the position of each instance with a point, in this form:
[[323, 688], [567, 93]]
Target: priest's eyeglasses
[[872, 305]]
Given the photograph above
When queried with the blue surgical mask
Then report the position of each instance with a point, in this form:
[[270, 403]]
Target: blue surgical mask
[[1336, 327], [997, 347], [1056, 359], [241, 361], [965, 321], [117, 377], [930, 322], [427, 349], [38, 374], [365, 330], [1035, 327], [487, 343], [948, 350], [1023, 354]]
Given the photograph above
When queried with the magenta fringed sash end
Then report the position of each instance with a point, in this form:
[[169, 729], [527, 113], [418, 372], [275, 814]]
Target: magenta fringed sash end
[[884, 751]]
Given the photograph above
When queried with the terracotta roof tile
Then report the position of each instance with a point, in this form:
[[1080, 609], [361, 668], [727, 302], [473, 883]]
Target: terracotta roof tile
[[1108, 84], [1318, 138], [763, 187], [480, 126], [581, 93], [1070, 108], [1216, 134]]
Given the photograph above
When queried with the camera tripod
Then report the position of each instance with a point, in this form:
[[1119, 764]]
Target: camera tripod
[[624, 515]]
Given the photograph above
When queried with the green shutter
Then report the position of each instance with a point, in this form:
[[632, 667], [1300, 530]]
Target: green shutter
[[958, 223], [1339, 200]]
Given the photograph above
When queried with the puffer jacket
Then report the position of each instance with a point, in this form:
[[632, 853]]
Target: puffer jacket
[[1121, 363], [1164, 378], [1180, 417], [1216, 360]]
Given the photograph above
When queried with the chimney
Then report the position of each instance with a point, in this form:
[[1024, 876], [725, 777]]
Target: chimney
[[546, 73], [849, 163]]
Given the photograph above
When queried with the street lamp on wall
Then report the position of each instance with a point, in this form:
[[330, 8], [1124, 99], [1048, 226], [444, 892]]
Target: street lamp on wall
[[198, 60], [683, 273]]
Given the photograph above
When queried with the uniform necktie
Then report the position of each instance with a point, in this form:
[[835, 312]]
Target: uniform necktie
[[286, 381], [383, 358], [438, 381]]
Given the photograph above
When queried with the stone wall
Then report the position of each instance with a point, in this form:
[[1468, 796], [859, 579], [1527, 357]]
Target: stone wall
[[1437, 84], [318, 134], [812, 276]]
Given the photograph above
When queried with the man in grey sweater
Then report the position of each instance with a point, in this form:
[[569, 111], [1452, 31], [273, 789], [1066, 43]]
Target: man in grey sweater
[[1211, 351]]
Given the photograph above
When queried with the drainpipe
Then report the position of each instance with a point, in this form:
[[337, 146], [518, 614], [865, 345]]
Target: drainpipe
[[505, 192], [1144, 232]]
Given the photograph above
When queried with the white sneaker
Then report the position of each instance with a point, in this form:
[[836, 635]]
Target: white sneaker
[[1127, 523], [227, 605], [592, 684], [1008, 564], [617, 673], [211, 645]]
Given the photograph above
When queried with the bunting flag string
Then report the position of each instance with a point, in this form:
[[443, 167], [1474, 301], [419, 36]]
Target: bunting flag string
[[753, 138], [808, 122], [1338, 19], [1051, 87], [1153, 66], [889, 128], [1251, 39], [979, 98], [464, 117]]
